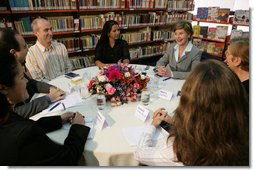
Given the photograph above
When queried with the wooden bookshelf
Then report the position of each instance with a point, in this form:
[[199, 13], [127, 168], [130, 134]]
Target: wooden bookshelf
[[156, 13]]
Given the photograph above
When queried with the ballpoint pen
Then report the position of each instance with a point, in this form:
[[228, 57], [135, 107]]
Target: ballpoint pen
[[166, 78], [54, 106]]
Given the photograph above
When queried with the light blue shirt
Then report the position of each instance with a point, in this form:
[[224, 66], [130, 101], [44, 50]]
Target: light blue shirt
[[187, 49]]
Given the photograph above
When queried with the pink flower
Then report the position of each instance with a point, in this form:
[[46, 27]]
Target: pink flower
[[110, 89]]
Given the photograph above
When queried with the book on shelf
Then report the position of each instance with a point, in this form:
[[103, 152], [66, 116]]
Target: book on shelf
[[236, 34], [197, 42], [211, 32], [223, 14], [212, 13], [196, 30], [241, 17], [219, 48], [202, 13], [204, 31], [221, 32], [203, 46], [210, 47]]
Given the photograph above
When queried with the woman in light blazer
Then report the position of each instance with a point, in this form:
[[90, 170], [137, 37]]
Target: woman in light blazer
[[182, 56]]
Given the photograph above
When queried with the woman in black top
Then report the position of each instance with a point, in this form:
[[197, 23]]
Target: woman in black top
[[24, 142], [110, 48], [237, 58]]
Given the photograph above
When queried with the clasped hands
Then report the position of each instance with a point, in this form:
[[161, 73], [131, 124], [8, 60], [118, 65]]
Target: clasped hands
[[161, 115], [73, 118]]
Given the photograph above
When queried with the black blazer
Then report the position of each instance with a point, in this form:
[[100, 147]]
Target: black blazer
[[24, 142]]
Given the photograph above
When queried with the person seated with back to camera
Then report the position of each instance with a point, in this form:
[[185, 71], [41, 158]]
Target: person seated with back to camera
[[208, 128], [181, 57], [23, 141], [18, 47], [110, 48]]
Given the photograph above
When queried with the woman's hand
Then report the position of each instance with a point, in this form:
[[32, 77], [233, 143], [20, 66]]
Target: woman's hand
[[162, 71], [67, 116], [158, 116], [56, 94]]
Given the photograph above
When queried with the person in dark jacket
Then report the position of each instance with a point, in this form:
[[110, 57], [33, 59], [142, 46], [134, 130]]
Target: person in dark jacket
[[18, 47], [24, 142], [110, 48]]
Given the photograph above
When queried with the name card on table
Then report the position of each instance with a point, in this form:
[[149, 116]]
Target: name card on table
[[142, 113], [165, 94], [100, 121]]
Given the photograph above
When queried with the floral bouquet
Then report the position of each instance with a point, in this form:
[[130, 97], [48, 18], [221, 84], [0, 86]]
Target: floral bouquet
[[119, 83]]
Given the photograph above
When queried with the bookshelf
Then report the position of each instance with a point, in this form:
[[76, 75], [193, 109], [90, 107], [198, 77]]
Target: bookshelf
[[145, 24], [209, 38]]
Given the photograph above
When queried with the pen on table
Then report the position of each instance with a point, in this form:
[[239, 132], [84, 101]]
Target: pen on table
[[166, 78], [54, 106]]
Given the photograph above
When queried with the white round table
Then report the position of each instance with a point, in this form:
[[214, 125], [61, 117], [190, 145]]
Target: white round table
[[109, 146]]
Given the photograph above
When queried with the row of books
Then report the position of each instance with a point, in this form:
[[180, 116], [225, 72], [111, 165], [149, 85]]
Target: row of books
[[133, 4], [42, 4], [89, 22], [180, 5], [135, 37], [147, 51], [166, 35], [217, 33], [146, 4], [213, 48], [71, 44], [95, 4], [89, 41], [59, 24], [79, 62], [216, 14]]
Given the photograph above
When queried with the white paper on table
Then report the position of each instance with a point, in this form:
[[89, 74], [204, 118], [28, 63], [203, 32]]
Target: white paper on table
[[133, 134], [70, 100], [88, 122]]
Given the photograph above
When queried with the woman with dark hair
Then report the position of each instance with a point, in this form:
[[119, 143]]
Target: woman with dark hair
[[18, 47], [110, 48], [182, 56], [210, 125], [24, 142], [237, 58]]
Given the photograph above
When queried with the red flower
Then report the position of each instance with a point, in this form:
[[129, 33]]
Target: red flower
[[115, 75], [90, 85]]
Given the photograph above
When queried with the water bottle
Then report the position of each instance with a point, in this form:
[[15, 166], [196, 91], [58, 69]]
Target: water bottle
[[101, 100]]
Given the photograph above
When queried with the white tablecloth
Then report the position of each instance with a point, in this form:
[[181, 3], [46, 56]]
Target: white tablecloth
[[109, 146]]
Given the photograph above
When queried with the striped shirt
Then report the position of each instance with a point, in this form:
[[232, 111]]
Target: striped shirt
[[48, 63], [159, 154]]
